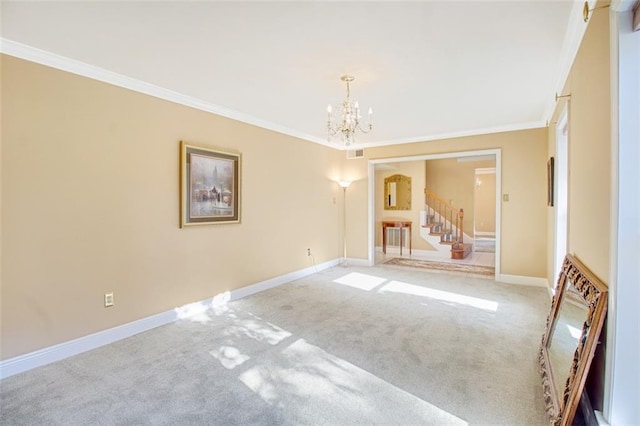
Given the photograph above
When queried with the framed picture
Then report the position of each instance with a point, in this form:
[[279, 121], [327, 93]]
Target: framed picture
[[209, 185], [550, 182]]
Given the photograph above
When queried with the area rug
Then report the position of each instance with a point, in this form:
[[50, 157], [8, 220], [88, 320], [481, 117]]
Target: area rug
[[485, 271]]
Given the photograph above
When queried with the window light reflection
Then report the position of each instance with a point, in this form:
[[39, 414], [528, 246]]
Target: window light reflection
[[360, 281], [304, 372], [416, 290], [229, 357], [575, 332]]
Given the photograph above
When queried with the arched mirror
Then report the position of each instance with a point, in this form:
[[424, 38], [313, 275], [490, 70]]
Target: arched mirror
[[397, 192], [573, 328]]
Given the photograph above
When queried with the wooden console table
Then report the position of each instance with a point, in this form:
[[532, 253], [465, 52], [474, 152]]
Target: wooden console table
[[395, 224]]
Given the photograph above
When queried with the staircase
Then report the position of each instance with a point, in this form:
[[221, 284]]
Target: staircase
[[441, 225]]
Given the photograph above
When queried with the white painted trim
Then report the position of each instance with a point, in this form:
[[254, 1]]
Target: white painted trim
[[498, 227], [77, 346], [485, 170], [523, 280], [550, 292], [485, 234], [622, 370], [609, 368], [439, 156], [371, 234], [352, 261], [600, 419], [29, 53], [33, 54]]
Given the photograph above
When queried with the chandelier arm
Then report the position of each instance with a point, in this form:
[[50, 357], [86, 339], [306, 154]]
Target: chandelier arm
[[369, 128]]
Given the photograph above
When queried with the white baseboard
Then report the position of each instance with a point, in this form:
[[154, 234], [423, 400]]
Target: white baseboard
[[522, 280], [39, 358], [352, 261], [485, 234], [550, 292]]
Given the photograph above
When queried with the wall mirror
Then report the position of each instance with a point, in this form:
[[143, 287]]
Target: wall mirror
[[571, 335], [397, 193]]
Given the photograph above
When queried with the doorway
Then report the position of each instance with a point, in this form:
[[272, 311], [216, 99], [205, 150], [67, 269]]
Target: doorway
[[494, 154], [484, 210]]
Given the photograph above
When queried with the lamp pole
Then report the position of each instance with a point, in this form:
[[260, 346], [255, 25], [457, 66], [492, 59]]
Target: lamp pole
[[344, 184]]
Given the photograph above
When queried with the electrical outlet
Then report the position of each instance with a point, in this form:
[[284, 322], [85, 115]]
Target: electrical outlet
[[108, 300], [308, 252], [505, 197]]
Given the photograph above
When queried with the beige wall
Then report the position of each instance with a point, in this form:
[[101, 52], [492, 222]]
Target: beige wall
[[90, 205], [415, 170], [589, 121], [454, 182], [484, 210], [524, 216]]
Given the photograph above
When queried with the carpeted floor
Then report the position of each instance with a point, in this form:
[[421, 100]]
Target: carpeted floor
[[485, 271], [380, 345]]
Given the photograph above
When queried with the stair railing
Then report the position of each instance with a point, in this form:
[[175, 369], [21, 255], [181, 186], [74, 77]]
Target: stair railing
[[438, 210]]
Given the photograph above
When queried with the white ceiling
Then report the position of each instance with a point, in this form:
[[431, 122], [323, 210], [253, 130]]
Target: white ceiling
[[429, 69]]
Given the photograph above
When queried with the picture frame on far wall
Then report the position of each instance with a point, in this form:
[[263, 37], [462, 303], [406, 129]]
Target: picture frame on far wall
[[550, 178], [209, 185]]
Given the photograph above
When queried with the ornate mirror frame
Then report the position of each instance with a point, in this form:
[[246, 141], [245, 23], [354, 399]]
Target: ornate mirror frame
[[400, 194], [575, 278]]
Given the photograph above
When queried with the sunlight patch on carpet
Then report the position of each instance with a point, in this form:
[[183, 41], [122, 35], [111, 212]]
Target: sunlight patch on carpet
[[445, 296], [304, 380], [229, 357], [255, 328], [360, 281]]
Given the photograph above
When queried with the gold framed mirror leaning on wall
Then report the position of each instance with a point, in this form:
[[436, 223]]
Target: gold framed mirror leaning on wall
[[571, 335], [397, 192]]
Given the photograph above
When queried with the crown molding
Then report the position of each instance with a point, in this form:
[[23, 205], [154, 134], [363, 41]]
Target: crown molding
[[43, 57], [63, 63], [452, 135]]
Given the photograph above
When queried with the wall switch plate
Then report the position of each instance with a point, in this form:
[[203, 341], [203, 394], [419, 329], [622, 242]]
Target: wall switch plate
[[108, 300], [505, 197]]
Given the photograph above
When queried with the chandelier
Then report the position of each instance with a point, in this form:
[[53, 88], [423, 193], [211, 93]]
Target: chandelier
[[348, 122]]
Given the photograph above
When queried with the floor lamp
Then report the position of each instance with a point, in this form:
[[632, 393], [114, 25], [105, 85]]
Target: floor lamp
[[344, 184]]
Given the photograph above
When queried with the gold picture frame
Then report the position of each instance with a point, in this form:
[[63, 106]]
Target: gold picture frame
[[209, 185], [571, 335]]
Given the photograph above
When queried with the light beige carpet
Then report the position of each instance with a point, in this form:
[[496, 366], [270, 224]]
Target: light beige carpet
[[347, 346]]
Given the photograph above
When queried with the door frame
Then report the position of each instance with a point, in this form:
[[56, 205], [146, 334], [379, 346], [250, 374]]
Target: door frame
[[497, 152]]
